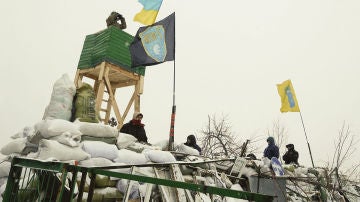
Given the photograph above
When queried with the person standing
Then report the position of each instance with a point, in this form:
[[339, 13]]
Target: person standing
[[135, 128], [271, 150], [291, 156]]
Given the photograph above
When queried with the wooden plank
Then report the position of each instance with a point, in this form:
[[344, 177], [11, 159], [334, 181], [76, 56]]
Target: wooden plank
[[141, 85], [129, 105], [137, 98], [99, 96], [103, 68], [126, 73], [183, 195], [123, 84], [163, 191], [128, 188], [108, 108], [76, 80], [113, 103]]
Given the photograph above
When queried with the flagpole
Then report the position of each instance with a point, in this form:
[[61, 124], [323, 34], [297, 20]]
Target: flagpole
[[173, 111], [302, 121]]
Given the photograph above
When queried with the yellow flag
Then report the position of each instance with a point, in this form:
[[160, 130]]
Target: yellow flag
[[288, 98], [148, 14]]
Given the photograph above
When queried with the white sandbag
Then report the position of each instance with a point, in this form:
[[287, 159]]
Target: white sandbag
[[5, 168], [15, 146], [202, 197], [3, 180], [50, 149], [139, 147], [130, 157], [120, 170], [187, 150], [122, 185], [236, 187], [98, 161], [159, 156], [163, 144], [27, 131], [67, 139], [124, 140], [104, 194], [56, 127], [97, 129], [61, 99], [100, 149], [2, 190], [32, 155]]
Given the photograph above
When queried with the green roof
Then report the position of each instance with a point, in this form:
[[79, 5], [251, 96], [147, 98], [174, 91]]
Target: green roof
[[110, 45]]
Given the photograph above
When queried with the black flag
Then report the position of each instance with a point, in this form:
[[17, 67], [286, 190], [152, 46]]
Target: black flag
[[154, 44]]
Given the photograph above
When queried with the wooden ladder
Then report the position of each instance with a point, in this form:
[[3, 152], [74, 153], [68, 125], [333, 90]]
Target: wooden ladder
[[107, 78]]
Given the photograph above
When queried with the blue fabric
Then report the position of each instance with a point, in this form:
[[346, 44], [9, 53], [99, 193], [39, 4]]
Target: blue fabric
[[151, 4], [271, 150]]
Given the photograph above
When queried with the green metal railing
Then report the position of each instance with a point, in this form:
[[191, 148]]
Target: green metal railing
[[33, 180]]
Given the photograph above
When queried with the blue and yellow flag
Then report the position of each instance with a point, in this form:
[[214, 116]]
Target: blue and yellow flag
[[147, 15], [288, 98]]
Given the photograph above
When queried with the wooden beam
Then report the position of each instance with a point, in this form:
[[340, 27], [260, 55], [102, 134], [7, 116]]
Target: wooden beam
[[141, 85], [137, 98], [76, 80], [123, 84], [113, 102], [100, 86], [129, 104], [126, 73]]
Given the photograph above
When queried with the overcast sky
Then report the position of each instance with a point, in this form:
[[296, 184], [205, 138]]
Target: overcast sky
[[229, 57]]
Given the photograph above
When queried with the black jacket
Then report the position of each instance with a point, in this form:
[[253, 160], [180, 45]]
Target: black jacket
[[291, 156], [191, 142], [135, 130]]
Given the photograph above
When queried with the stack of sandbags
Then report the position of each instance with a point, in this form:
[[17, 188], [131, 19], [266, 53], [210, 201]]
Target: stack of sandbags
[[84, 104], [60, 105], [97, 132], [105, 188]]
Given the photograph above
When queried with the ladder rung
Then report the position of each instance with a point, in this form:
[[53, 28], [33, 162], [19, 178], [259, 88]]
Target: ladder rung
[[105, 100], [103, 110]]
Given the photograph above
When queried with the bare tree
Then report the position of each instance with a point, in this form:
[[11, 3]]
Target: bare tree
[[345, 146], [279, 132], [217, 139]]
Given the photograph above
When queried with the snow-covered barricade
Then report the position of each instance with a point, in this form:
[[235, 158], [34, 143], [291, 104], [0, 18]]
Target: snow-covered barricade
[[61, 136]]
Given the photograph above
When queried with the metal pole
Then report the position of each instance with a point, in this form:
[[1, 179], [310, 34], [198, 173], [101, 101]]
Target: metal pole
[[172, 124], [173, 111], [307, 140]]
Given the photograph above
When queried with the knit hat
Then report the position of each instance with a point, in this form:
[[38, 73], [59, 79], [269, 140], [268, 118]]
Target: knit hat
[[290, 146], [191, 139], [136, 114], [270, 140]]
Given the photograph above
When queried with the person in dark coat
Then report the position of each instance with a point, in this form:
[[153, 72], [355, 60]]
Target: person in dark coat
[[135, 128], [271, 150], [191, 142], [291, 156]]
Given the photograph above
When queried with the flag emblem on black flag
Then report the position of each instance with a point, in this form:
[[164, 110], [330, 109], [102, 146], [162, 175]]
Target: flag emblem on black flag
[[153, 41], [154, 44]]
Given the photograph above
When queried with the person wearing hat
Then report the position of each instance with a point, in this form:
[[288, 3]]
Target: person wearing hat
[[135, 128], [271, 150], [191, 142], [291, 156]]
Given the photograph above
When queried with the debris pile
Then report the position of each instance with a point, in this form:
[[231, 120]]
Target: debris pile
[[83, 141]]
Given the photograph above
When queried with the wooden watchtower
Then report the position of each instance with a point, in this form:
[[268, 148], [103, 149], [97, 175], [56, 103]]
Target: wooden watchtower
[[105, 59]]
